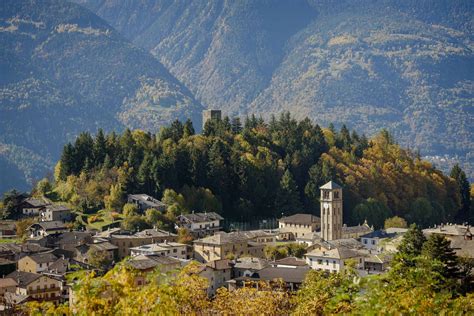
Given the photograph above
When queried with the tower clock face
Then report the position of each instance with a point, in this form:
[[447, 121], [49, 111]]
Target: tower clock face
[[325, 205]]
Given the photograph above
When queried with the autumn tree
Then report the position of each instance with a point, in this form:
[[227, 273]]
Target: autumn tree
[[396, 222]]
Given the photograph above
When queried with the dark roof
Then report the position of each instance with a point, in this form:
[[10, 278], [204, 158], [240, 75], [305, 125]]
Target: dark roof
[[23, 278], [378, 234], [59, 266], [35, 202], [331, 185], [293, 275], [43, 257], [202, 217], [300, 219], [74, 237], [356, 229], [103, 246], [51, 225], [22, 248]]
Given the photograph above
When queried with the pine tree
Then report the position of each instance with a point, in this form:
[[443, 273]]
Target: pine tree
[[67, 160], [464, 190], [437, 247], [287, 200], [100, 148], [236, 125], [188, 129], [411, 245]]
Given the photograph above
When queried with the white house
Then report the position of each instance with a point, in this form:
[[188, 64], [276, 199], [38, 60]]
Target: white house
[[165, 249], [200, 224], [333, 260], [374, 240]]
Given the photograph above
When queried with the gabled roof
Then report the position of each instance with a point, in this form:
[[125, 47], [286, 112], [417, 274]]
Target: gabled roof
[[335, 253], [201, 217], [378, 234], [51, 225], [6, 282], [288, 275], [300, 219], [44, 257], [34, 202], [222, 238], [154, 233], [23, 278], [146, 262], [364, 228], [250, 263], [331, 185], [290, 261]]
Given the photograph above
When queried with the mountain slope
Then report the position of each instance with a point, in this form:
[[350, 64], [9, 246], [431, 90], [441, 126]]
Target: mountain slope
[[65, 70], [404, 65]]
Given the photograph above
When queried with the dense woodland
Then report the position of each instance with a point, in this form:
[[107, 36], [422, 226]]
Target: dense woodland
[[426, 278], [257, 170]]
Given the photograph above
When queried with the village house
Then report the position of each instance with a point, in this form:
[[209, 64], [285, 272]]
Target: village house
[[39, 287], [217, 272], [289, 262], [450, 231], [309, 239], [225, 245], [200, 224], [333, 260], [55, 213], [375, 240], [7, 285], [36, 263], [167, 248], [279, 278], [107, 249], [7, 229], [297, 225], [33, 206], [144, 202], [148, 263], [125, 242], [246, 266], [42, 229], [356, 231], [377, 262]]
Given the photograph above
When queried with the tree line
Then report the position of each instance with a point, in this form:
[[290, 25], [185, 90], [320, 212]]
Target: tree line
[[260, 169]]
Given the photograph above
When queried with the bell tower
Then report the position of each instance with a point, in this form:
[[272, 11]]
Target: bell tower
[[331, 211]]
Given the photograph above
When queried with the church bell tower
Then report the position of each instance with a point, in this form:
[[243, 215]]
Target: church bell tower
[[331, 211]]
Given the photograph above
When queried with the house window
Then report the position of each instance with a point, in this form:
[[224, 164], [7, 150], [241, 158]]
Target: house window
[[373, 242], [336, 194], [325, 194], [365, 241]]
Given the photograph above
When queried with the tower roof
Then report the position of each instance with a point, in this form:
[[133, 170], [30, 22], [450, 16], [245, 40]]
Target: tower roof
[[331, 185]]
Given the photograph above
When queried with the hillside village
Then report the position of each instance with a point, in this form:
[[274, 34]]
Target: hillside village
[[37, 269]]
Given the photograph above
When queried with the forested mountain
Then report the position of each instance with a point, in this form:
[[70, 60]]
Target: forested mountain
[[404, 65], [65, 70]]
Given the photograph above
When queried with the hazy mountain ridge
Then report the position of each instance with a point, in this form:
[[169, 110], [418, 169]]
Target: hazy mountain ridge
[[65, 70]]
